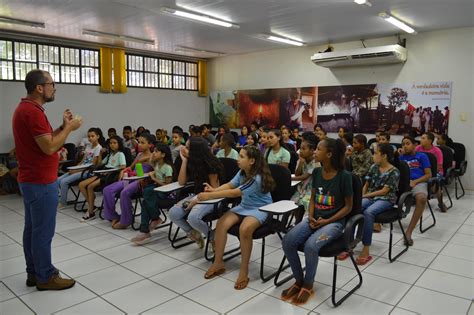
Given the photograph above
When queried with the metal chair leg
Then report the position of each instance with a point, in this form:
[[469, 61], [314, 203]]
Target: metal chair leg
[[421, 220], [335, 302], [456, 180], [390, 245], [449, 197]]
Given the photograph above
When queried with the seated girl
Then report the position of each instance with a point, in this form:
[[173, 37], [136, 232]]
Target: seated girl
[[331, 201], [115, 159], [304, 170], [252, 139], [276, 153], [127, 189], [244, 132], [91, 155], [200, 166], [227, 144], [379, 194], [253, 183], [161, 175]]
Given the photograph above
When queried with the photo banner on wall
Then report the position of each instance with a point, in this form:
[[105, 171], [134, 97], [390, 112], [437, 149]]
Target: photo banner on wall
[[363, 108]]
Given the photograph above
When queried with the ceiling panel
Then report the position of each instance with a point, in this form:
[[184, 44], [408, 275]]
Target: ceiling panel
[[311, 21]]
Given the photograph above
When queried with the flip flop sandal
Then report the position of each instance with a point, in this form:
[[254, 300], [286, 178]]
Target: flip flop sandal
[[343, 256], [363, 260], [290, 292], [242, 284], [310, 293], [213, 273]]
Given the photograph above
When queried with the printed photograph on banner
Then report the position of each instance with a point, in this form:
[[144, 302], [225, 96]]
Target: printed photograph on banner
[[415, 107], [224, 109], [353, 107], [261, 106], [298, 107]]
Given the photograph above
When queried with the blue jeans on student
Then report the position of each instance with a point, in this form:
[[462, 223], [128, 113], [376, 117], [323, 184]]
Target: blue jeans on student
[[370, 209], [194, 220], [41, 202], [313, 241], [64, 182]]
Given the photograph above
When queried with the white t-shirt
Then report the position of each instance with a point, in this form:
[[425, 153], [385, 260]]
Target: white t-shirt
[[90, 153]]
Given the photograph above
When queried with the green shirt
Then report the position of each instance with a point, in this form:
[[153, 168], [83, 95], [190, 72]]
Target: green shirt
[[161, 172], [330, 194], [282, 156], [115, 160], [232, 154]]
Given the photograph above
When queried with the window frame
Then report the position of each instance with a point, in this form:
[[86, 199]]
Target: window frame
[[172, 73], [60, 64]]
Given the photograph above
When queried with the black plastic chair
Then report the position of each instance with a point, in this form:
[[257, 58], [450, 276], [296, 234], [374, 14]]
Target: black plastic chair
[[400, 210], [448, 176], [461, 167], [432, 187], [346, 243]]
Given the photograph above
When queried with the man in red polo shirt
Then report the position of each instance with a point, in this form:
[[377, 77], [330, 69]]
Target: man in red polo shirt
[[37, 146]]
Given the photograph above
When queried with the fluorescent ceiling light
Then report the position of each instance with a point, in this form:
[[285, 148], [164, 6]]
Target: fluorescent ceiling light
[[198, 17], [9, 20], [284, 40], [118, 36], [397, 23], [183, 49], [364, 2]]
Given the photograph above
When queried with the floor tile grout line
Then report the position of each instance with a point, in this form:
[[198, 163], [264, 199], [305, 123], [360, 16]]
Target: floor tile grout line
[[426, 268], [456, 296], [17, 297]]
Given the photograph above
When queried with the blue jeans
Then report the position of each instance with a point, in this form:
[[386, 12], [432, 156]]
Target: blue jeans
[[41, 202], [313, 241], [370, 209], [194, 221], [64, 182]]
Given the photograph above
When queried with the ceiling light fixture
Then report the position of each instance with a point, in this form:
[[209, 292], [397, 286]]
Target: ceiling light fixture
[[184, 49], [390, 19], [198, 17], [284, 40], [118, 36], [10, 20], [363, 2]]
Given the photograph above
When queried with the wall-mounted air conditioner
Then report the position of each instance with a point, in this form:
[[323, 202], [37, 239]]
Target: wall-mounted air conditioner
[[361, 57]]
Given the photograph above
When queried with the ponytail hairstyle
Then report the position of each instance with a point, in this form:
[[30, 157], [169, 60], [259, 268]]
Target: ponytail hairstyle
[[99, 134], [163, 148], [260, 167], [387, 149], [338, 150]]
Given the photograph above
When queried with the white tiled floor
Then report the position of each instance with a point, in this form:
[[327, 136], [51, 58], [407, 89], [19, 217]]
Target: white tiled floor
[[435, 276]]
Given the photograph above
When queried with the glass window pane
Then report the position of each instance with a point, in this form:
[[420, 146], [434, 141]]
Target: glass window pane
[[22, 68], [6, 70], [52, 69], [70, 74], [25, 52], [90, 75], [6, 50], [191, 83], [135, 78], [90, 58], [48, 54], [151, 64], [70, 56], [166, 66], [191, 69], [151, 80], [178, 67], [179, 82], [166, 81]]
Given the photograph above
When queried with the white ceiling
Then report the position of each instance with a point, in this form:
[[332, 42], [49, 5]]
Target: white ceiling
[[312, 21]]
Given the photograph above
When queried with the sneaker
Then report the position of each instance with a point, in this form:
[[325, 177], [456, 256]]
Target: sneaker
[[141, 238], [88, 217], [61, 206], [197, 237], [56, 283]]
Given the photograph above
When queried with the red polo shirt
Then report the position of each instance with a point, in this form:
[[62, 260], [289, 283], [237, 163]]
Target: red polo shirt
[[34, 166]]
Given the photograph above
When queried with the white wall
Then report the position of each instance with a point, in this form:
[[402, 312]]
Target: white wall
[[446, 55], [148, 107]]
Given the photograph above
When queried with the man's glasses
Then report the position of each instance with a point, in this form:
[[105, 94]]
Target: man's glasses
[[52, 83]]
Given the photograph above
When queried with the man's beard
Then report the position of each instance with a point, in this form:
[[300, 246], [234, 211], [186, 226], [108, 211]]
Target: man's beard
[[48, 99]]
